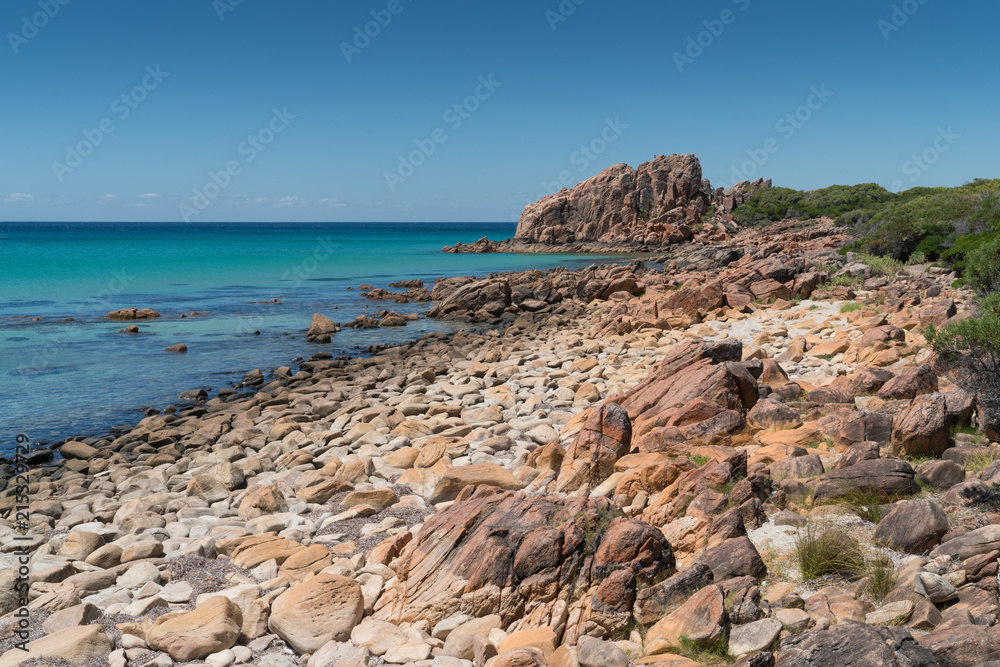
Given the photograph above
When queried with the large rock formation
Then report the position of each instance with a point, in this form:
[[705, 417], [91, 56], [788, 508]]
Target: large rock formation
[[648, 205], [623, 208]]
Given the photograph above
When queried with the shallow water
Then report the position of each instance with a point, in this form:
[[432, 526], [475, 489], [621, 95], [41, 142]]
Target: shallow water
[[76, 378]]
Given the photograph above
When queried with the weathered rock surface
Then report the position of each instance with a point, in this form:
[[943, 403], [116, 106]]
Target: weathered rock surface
[[318, 610], [524, 558], [212, 626], [621, 204]]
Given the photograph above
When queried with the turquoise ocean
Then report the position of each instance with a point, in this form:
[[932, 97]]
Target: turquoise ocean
[[65, 371]]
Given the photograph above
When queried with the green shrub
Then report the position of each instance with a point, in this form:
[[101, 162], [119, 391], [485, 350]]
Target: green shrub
[[982, 270], [970, 350], [835, 201], [851, 306]]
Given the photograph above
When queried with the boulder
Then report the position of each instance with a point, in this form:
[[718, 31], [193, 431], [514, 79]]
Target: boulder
[[212, 626], [492, 295], [910, 383], [754, 636], [694, 394], [853, 644], [940, 474], [656, 601], [262, 499], [736, 557], [921, 429], [769, 414], [702, 620], [459, 643], [321, 609], [132, 314], [975, 542], [606, 436], [888, 478], [488, 474], [78, 545], [321, 329], [494, 552], [912, 526], [80, 645], [964, 645], [797, 467]]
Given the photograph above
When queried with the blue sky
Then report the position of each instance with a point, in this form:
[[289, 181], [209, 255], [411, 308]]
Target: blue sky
[[465, 111]]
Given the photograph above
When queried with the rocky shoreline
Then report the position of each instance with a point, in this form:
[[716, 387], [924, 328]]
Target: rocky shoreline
[[618, 467]]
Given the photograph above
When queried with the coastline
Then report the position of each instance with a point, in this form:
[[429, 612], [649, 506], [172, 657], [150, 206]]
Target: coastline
[[337, 476]]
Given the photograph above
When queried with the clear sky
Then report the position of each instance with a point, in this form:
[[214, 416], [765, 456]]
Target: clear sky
[[466, 110]]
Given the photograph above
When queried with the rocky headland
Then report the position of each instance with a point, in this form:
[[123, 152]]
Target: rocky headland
[[623, 209], [741, 452]]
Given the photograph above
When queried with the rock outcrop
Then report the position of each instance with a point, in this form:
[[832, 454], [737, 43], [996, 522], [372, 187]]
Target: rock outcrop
[[646, 205], [623, 208], [530, 560]]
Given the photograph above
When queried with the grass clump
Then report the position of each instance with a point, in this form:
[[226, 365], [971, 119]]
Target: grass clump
[[865, 504], [827, 550], [698, 459], [980, 461], [715, 653], [882, 575], [851, 306]]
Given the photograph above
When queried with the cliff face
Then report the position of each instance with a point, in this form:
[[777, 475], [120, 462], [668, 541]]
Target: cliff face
[[648, 205]]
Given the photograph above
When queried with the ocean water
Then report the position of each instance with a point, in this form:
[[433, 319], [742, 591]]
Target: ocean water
[[65, 371]]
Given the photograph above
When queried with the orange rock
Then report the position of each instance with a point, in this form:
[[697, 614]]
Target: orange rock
[[543, 639], [212, 626], [305, 562]]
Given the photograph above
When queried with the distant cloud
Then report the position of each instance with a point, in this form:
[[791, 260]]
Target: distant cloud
[[18, 197], [279, 202], [108, 197], [333, 203], [149, 195]]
